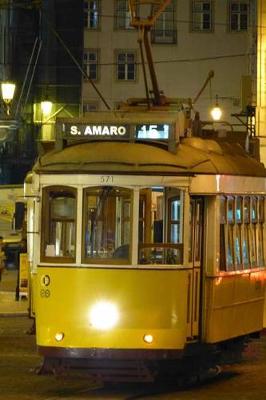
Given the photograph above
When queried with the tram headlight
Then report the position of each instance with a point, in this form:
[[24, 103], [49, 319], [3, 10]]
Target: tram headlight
[[59, 336], [104, 315], [148, 338]]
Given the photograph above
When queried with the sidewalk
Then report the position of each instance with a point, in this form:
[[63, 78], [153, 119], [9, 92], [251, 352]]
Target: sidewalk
[[9, 306]]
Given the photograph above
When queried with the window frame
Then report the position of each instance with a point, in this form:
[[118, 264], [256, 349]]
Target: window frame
[[163, 18], [238, 14], [149, 248], [122, 14], [200, 13], [45, 213], [104, 260], [125, 52], [87, 16], [86, 65], [91, 105], [247, 230]]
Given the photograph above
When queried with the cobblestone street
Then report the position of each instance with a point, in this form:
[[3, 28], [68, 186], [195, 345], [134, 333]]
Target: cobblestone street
[[19, 380]]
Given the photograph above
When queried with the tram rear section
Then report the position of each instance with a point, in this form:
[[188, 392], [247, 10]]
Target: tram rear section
[[148, 257]]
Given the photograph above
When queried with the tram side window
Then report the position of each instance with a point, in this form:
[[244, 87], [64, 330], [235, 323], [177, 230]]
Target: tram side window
[[108, 224], [246, 242], [230, 248], [261, 236], [223, 233], [238, 232], [161, 226], [241, 232], [59, 223]]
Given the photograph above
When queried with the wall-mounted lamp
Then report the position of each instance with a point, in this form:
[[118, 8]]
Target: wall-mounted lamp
[[46, 107], [7, 91], [216, 111]]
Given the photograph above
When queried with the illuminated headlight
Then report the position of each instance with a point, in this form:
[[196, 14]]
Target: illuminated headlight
[[148, 338], [59, 336], [104, 315]]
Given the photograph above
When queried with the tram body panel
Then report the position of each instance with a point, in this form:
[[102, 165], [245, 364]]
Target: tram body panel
[[264, 314], [210, 184], [148, 302], [234, 305]]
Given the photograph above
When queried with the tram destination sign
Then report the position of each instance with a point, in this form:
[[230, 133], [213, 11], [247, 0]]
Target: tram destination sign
[[101, 131], [95, 131]]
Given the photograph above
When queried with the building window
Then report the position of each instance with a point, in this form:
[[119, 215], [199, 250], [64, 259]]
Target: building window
[[238, 16], [122, 15], [91, 14], [90, 107], [165, 27], [126, 65], [201, 16], [90, 63]]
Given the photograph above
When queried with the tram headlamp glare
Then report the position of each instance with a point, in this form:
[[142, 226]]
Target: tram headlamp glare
[[148, 338], [103, 315], [59, 336]]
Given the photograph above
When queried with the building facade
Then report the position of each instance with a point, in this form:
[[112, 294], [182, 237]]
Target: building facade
[[190, 38], [88, 58]]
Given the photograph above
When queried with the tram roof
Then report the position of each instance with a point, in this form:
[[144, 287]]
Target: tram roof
[[193, 156]]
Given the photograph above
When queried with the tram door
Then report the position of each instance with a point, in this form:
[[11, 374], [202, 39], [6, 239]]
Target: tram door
[[195, 259]]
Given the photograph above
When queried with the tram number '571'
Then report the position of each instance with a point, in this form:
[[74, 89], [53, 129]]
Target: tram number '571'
[[107, 179]]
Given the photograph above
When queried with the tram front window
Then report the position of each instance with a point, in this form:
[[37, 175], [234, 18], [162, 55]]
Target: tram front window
[[161, 226], [59, 223], [107, 230]]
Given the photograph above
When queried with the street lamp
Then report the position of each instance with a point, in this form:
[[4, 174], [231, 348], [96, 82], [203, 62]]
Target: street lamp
[[7, 90], [216, 111], [46, 107]]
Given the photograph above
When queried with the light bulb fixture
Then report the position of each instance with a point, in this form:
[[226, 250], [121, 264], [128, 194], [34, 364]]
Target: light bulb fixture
[[216, 111], [8, 91], [46, 107]]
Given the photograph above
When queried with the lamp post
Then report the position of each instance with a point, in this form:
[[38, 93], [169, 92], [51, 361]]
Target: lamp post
[[7, 91]]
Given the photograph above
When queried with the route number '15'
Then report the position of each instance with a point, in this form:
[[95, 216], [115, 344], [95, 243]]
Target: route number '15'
[[150, 130]]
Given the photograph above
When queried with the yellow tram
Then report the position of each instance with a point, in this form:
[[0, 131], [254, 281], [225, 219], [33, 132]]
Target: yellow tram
[[147, 247]]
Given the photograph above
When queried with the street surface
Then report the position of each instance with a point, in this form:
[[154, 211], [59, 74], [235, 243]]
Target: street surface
[[19, 380]]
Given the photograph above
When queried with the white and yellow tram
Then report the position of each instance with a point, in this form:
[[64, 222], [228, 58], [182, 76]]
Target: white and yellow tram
[[148, 248]]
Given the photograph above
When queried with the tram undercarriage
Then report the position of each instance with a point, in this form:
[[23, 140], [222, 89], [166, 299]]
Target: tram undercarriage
[[195, 363]]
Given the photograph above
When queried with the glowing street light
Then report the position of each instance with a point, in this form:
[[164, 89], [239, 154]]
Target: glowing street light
[[46, 107], [216, 111], [7, 91]]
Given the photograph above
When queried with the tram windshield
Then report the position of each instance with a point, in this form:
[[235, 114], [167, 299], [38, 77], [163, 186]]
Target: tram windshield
[[107, 223], [59, 230], [161, 226]]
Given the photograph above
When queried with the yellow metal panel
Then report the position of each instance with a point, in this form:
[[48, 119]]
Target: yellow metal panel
[[234, 305], [149, 301]]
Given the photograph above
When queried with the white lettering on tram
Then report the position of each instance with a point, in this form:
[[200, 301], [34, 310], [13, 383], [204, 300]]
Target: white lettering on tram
[[74, 130], [99, 130]]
